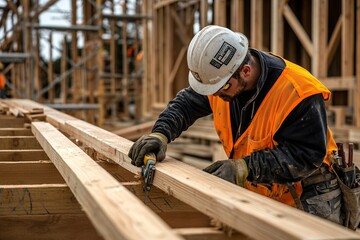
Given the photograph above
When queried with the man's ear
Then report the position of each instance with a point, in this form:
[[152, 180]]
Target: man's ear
[[245, 71]]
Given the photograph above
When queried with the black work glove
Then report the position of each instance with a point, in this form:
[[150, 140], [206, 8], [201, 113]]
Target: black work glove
[[234, 171], [153, 143]]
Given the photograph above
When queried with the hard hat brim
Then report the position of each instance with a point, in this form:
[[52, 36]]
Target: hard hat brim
[[205, 89]]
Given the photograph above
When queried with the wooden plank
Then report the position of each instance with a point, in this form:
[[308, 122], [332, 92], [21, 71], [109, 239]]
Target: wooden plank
[[209, 233], [15, 132], [357, 73], [319, 38], [23, 155], [136, 131], [256, 16], [237, 15], [37, 199], [114, 211], [245, 211], [42, 227], [347, 38], [158, 201], [277, 27], [185, 219], [36, 172], [18, 142], [220, 12], [12, 122], [339, 83]]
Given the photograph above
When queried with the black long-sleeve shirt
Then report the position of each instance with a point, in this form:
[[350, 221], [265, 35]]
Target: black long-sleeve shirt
[[301, 138]]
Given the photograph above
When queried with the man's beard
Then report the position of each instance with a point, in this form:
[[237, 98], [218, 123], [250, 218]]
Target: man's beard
[[228, 98]]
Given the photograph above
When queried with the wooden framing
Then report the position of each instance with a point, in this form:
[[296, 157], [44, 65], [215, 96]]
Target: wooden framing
[[317, 34], [214, 197], [114, 211]]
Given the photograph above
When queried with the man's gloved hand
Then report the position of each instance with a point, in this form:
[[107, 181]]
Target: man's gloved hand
[[234, 171], [151, 143]]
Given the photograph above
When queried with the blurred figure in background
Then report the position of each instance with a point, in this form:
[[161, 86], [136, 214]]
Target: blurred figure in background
[[2, 82]]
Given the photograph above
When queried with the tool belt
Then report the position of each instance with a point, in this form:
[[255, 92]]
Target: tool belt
[[321, 195], [350, 195], [348, 176]]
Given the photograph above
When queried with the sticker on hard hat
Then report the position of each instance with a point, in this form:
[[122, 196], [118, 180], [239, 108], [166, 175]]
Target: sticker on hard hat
[[223, 56], [196, 76]]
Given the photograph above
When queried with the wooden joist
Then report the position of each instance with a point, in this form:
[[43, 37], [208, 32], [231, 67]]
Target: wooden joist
[[18, 142], [245, 211], [37, 199], [256, 216], [23, 155], [29, 172], [114, 211], [58, 226]]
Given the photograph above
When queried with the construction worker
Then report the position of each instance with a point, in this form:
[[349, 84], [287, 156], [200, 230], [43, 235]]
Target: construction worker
[[269, 114], [2, 82]]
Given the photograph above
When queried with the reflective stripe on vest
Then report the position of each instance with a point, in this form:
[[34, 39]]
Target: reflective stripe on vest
[[293, 85]]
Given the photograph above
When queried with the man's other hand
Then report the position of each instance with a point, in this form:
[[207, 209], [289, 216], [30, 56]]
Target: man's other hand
[[234, 171]]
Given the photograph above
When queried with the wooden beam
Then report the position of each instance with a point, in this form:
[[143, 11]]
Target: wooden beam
[[347, 39], [114, 211], [136, 131], [209, 233], [220, 12], [319, 38], [339, 83], [12, 123], [237, 15], [298, 29], [277, 27], [59, 226], [204, 8], [29, 172], [334, 41], [37, 199], [18, 142], [357, 73], [245, 211], [256, 16], [23, 155], [15, 132]]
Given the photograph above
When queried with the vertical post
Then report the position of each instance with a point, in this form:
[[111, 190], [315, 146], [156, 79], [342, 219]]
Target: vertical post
[[347, 39], [357, 73], [168, 51], [347, 45], [204, 8], [114, 101], [146, 63], [256, 30], [50, 69], [27, 36], [100, 64], [220, 12], [237, 15], [277, 27], [125, 93], [319, 38], [64, 82], [75, 80]]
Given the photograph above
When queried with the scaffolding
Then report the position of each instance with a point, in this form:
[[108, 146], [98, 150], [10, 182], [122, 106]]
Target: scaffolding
[[132, 59]]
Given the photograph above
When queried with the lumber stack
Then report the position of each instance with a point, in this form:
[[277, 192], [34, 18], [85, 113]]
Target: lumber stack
[[93, 164]]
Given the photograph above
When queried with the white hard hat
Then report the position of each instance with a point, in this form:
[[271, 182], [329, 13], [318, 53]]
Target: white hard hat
[[214, 54]]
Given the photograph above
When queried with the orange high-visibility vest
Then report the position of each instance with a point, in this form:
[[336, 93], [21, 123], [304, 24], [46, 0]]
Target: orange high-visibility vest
[[293, 85], [2, 81]]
